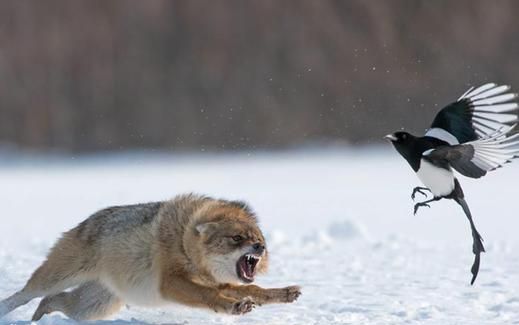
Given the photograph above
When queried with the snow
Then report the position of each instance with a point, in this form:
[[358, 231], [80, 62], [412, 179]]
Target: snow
[[338, 222]]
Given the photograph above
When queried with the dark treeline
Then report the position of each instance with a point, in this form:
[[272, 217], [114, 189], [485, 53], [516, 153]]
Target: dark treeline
[[99, 75]]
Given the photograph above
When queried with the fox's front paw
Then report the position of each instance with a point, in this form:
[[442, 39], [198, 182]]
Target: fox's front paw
[[243, 306], [291, 293]]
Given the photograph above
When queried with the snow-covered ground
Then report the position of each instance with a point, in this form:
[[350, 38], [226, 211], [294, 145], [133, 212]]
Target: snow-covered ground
[[338, 222]]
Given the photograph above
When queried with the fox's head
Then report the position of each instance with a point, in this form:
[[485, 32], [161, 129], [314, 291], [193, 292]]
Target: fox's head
[[231, 245]]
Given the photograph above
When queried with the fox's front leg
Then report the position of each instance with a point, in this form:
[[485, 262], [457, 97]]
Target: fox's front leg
[[183, 290], [260, 295]]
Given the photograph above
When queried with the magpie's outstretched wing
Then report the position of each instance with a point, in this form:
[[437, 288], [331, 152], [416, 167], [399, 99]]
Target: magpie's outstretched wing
[[475, 158], [477, 114]]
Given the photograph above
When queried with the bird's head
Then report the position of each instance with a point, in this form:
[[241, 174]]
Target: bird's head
[[402, 141], [399, 137]]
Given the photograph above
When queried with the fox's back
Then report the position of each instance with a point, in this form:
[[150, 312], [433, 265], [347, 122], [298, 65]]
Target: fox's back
[[117, 220]]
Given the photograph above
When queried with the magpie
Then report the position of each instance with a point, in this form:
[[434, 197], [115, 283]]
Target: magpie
[[472, 136]]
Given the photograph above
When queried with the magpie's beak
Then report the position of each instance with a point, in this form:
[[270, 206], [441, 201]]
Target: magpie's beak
[[390, 137]]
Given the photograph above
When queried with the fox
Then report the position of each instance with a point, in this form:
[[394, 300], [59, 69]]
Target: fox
[[193, 250]]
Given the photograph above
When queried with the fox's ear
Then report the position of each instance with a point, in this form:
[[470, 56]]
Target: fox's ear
[[205, 228]]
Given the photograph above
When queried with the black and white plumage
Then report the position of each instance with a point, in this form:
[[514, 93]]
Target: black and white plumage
[[472, 136]]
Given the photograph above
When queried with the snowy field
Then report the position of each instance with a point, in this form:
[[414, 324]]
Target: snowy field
[[338, 222]]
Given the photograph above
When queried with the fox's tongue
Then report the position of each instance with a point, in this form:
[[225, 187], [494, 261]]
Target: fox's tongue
[[249, 270], [247, 267]]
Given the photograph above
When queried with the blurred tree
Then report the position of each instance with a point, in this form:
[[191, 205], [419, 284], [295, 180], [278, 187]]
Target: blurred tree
[[106, 74]]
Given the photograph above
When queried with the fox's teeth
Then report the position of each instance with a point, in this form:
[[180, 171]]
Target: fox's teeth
[[250, 259]]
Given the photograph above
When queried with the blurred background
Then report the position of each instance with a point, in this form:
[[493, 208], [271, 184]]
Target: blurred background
[[280, 103], [85, 76]]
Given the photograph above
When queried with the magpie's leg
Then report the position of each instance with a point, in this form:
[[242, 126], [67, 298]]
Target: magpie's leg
[[477, 241], [425, 203], [420, 190]]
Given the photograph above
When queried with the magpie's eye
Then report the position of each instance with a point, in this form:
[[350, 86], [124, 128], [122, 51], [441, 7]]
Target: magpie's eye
[[404, 136], [237, 238]]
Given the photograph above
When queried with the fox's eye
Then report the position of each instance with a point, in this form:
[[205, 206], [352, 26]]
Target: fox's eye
[[237, 238]]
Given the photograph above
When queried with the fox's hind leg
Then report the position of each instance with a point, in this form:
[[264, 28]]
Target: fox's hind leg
[[89, 301], [69, 263]]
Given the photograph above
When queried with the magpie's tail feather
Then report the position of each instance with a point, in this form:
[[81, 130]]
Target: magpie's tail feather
[[477, 246], [477, 249], [475, 268], [477, 240]]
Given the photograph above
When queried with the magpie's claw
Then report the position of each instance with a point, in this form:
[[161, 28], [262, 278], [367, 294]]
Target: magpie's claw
[[419, 190], [418, 205]]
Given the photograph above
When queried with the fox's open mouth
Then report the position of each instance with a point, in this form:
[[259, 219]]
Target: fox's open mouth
[[246, 267]]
